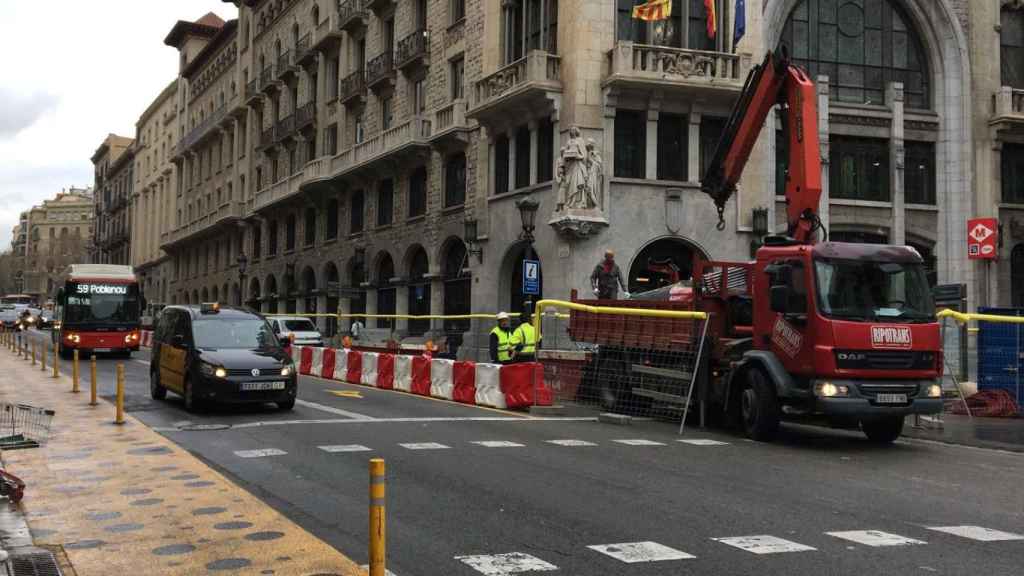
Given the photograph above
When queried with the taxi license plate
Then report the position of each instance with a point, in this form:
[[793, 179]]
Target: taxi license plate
[[254, 386], [892, 399]]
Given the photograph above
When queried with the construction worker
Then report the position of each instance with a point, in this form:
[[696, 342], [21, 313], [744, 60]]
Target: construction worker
[[524, 340], [501, 341]]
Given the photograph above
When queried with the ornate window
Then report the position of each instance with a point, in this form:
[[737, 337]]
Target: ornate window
[[1011, 40], [1012, 160], [861, 45], [859, 168]]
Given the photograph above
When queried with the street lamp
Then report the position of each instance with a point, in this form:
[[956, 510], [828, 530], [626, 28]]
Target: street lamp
[[243, 264], [470, 237], [527, 212], [759, 225]]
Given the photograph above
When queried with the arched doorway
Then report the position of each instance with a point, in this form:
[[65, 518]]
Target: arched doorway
[[654, 266], [385, 291], [1017, 275], [419, 291], [357, 277], [214, 295], [206, 296], [513, 271], [457, 285], [331, 279], [290, 294], [309, 291], [254, 294], [271, 296]]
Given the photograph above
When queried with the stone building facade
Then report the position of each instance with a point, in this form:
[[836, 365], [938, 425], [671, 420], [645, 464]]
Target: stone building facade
[[150, 206], [56, 235], [346, 144], [113, 164]]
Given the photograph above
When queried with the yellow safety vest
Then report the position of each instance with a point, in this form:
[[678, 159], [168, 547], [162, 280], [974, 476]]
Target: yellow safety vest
[[527, 336], [504, 344]]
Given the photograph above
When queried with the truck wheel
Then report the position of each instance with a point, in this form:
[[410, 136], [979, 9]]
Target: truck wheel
[[157, 391], [759, 408], [883, 431]]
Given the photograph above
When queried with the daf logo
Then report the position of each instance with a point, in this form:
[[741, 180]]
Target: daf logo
[[852, 356], [255, 371]]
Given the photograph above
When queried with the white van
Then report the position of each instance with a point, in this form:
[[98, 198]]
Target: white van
[[303, 330]]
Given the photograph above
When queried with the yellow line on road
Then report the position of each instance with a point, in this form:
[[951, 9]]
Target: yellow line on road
[[346, 393]]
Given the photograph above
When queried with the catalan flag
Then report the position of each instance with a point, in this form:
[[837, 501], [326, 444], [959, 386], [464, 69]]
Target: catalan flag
[[709, 7], [653, 10]]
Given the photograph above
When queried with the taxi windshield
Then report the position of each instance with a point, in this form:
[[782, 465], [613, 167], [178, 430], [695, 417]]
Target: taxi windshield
[[234, 333]]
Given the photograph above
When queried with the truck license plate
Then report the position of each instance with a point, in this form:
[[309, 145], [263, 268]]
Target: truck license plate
[[101, 349], [253, 386], [892, 398]]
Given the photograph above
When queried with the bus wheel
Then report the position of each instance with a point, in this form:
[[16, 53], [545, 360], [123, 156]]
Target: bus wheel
[[759, 408]]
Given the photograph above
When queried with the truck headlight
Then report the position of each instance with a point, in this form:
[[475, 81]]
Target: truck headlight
[[830, 390], [935, 391]]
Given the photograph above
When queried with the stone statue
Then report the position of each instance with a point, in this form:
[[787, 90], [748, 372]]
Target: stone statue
[[560, 180], [595, 175], [579, 177], [574, 161]]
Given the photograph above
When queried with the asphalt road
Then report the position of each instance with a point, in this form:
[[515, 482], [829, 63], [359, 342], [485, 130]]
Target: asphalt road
[[817, 501]]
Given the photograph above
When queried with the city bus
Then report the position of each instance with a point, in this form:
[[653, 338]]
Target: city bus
[[97, 308]]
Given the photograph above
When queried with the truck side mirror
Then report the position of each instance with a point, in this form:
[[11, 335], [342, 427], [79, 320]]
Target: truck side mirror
[[779, 296]]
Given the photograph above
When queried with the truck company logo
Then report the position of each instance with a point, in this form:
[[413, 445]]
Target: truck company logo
[[786, 337], [891, 337], [101, 289]]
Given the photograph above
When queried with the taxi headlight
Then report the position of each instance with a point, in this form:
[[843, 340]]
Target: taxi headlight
[[935, 391], [207, 369], [286, 370], [220, 373], [830, 390]]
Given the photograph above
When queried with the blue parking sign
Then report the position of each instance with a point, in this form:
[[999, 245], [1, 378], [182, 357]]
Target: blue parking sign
[[531, 277]]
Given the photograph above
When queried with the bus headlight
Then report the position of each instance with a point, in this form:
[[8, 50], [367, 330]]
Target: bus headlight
[[935, 391], [131, 337], [830, 390], [73, 338]]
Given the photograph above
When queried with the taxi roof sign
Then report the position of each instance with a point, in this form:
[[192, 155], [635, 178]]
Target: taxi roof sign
[[209, 308]]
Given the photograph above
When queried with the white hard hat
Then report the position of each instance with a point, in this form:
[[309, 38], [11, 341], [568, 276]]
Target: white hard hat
[[502, 315]]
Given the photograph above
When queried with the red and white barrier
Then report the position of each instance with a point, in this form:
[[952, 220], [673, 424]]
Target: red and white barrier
[[327, 368], [316, 363], [488, 386], [355, 367], [386, 371], [369, 373], [441, 384], [340, 365], [146, 338], [421, 375], [403, 373], [305, 359], [464, 382]]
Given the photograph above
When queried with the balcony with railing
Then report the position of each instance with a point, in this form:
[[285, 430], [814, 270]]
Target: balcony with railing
[[380, 71], [352, 14], [267, 78], [413, 50], [449, 123], [252, 90], [327, 34], [393, 144], [379, 6], [677, 70], [1008, 110], [196, 134], [353, 87], [304, 52], [286, 65], [305, 115], [285, 128], [524, 86], [207, 223], [267, 137]]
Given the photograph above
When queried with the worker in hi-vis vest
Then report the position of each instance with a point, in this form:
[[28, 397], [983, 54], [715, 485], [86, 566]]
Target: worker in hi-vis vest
[[501, 340], [525, 341]]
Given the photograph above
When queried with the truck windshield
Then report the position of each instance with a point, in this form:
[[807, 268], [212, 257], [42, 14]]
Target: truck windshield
[[873, 291], [103, 304], [243, 333]]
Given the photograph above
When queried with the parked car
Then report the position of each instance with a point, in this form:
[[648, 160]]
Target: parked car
[[298, 329]]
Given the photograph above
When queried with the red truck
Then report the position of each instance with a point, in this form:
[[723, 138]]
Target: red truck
[[810, 330]]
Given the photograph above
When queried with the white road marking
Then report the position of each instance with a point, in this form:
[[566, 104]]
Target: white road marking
[[875, 538], [503, 564], [424, 446], [143, 362], [412, 420], [978, 533], [259, 453], [386, 571], [498, 444], [702, 442], [639, 442], [633, 552], [764, 544], [345, 448], [571, 443], [332, 410]]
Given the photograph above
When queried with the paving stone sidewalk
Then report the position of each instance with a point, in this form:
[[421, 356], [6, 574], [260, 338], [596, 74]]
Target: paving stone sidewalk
[[123, 500]]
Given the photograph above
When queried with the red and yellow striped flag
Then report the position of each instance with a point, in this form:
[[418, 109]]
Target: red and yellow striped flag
[[709, 6], [653, 10]]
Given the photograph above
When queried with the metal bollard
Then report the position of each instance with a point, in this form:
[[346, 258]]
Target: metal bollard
[[42, 358], [56, 364], [74, 373], [17, 344], [119, 418], [377, 520], [92, 382]]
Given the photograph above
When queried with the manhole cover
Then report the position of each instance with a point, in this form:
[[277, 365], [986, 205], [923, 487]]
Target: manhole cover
[[203, 427]]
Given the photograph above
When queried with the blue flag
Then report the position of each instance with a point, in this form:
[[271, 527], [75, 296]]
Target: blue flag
[[741, 21]]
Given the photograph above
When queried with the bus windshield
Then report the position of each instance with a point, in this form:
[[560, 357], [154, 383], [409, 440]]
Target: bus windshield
[[96, 303]]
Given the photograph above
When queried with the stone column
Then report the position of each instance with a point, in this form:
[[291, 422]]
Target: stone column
[[511, 160], [532, 124], [894, 97], [402, 306], [693, 146], [823, 136], [652, 144], [321, 308], [609, 149], [371, 307]]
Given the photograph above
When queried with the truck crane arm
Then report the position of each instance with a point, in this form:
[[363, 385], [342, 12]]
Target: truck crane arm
[[776, 81]]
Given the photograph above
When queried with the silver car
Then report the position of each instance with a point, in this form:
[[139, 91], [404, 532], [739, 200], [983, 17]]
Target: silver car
[[298, 329]]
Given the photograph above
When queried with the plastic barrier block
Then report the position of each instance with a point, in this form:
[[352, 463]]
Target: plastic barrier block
[[296, 352], [355, 367], [464, 378], [305, 360], [369, 375], [327, 370], [523, 384], [403, 373], [316, 364], [340, 365], [421, 375], [441, 385], [386, 371], [488, 386]]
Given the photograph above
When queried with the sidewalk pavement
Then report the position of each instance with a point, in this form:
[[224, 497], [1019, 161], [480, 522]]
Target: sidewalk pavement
[[125, 500], [998, 433]]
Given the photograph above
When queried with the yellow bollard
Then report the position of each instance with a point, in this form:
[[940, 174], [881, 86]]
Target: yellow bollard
[[119, 418], [74, 373], [42, 358], [17, 344], [92, 382], [56, 364], [377, 539], [33, 352]]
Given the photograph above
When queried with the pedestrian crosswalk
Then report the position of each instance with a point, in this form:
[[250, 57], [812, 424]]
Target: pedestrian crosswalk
[[761, 544]]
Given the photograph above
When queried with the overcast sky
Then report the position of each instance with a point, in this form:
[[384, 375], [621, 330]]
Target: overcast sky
[[73, 72]]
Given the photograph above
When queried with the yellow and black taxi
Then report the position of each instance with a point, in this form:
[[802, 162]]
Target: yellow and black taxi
[[218, 353]]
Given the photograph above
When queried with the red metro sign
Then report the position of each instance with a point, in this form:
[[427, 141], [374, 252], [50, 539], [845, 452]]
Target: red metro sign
[[982, 238]]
